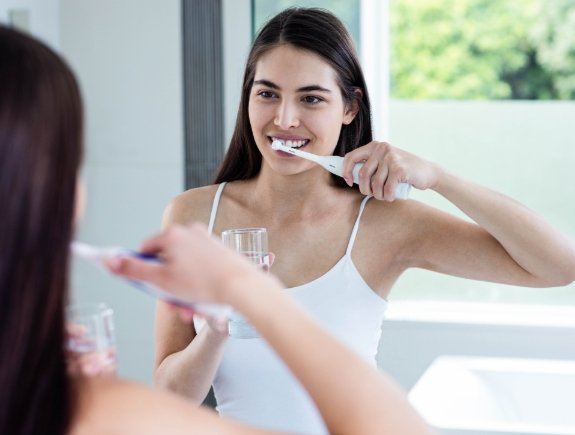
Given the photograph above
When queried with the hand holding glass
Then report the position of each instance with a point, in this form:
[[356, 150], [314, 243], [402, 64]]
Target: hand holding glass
[[91, 344], [252, 243]]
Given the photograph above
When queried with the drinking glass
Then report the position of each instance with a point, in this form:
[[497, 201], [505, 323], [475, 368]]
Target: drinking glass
[[252, 243], [91, 343]]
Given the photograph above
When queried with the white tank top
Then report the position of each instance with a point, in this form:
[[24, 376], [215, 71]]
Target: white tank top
[[254, 386]]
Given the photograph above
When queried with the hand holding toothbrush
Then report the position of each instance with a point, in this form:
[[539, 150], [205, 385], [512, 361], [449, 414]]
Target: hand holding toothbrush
[[385, 167], [335, 165], [193, 266]]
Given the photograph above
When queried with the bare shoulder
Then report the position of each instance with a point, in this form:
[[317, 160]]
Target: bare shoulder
[[402, 226], [396, 216], [402, 217], [193, 205], [411, 228], [115, 406]]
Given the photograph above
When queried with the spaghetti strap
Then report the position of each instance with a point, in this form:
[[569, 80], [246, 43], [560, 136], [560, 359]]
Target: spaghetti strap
[[215, 204], [356, 226]]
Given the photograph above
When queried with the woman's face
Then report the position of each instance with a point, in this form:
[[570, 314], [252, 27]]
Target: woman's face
[[295, 97]]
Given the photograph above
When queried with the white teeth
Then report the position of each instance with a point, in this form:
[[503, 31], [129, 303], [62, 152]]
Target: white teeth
[[291, 143]]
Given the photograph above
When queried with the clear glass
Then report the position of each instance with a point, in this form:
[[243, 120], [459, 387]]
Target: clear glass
[[91, 343], [253, 244]]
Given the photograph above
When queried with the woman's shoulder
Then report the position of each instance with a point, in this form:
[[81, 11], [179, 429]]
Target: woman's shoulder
[[108, 406], [193, 205], [400, 217]]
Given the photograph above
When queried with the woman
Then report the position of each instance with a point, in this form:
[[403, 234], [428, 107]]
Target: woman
[[337, 252], [40, 154]]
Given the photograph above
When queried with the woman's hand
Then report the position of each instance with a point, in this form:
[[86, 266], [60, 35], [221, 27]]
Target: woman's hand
[[385, 167], [87, 362], [193, 265]]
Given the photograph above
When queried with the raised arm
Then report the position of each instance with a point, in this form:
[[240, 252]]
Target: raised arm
[[363, 401], [509, 243]]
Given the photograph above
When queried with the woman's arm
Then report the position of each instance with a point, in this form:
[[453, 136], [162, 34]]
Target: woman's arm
[[186, 361], [509, 244], [535, 245], [363, 401], [112, 406]]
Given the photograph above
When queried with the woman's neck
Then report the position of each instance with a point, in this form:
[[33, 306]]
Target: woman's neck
[[300, 195]]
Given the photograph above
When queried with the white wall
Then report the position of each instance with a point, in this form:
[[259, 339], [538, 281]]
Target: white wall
[[44, 18], [127, 56]]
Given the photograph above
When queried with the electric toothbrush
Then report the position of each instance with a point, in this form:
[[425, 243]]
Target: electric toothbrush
[[98, 255], [334, 164]]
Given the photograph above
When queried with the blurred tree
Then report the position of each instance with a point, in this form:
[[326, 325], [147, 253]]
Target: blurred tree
[[483, 49], [553, 36]]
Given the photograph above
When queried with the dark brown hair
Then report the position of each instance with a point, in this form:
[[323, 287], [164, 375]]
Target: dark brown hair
[[319, 32], [40, 153]]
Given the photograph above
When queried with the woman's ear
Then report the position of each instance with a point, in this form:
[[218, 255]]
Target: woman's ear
[[352, 108]]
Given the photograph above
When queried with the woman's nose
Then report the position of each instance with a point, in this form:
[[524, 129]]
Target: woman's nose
[[286, 116]]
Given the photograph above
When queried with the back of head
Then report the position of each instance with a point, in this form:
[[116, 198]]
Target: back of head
[[40, 153], [322, 33]]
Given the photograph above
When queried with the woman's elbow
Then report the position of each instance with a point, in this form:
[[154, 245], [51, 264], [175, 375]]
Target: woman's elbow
[[558, 279]]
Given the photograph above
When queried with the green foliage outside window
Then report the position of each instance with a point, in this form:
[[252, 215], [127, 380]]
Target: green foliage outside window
[[483, 49]]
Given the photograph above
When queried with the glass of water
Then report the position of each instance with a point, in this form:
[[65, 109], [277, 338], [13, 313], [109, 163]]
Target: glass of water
[[91, 342], [252, 243]]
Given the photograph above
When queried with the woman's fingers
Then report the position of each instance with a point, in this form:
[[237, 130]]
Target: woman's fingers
[[358, 155], [389, 189], [384, 168], [134, 268], [378, 181], [365, 173]]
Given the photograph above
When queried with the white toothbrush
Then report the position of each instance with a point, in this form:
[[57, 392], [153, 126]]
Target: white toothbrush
[[98, 255], [334, 164]]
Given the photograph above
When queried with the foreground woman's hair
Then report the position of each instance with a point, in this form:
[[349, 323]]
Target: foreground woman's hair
[[40, 152]]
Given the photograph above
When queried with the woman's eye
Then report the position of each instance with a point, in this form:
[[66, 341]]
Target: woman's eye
[[310, 99], [266, 94]]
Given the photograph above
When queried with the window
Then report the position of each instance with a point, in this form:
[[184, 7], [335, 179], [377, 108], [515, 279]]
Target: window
[[486, 88]]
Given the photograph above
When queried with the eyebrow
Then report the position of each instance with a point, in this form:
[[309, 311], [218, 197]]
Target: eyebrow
[[309, 88]]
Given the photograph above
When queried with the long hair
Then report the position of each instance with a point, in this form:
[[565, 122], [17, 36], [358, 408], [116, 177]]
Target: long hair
[[320, 32], [40, 153]]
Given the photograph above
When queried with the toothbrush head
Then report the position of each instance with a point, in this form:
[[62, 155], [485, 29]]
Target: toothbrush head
[[83, 250], [277, 144]]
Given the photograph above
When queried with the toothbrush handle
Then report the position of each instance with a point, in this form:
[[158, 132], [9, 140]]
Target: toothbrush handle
[[401, 191]]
